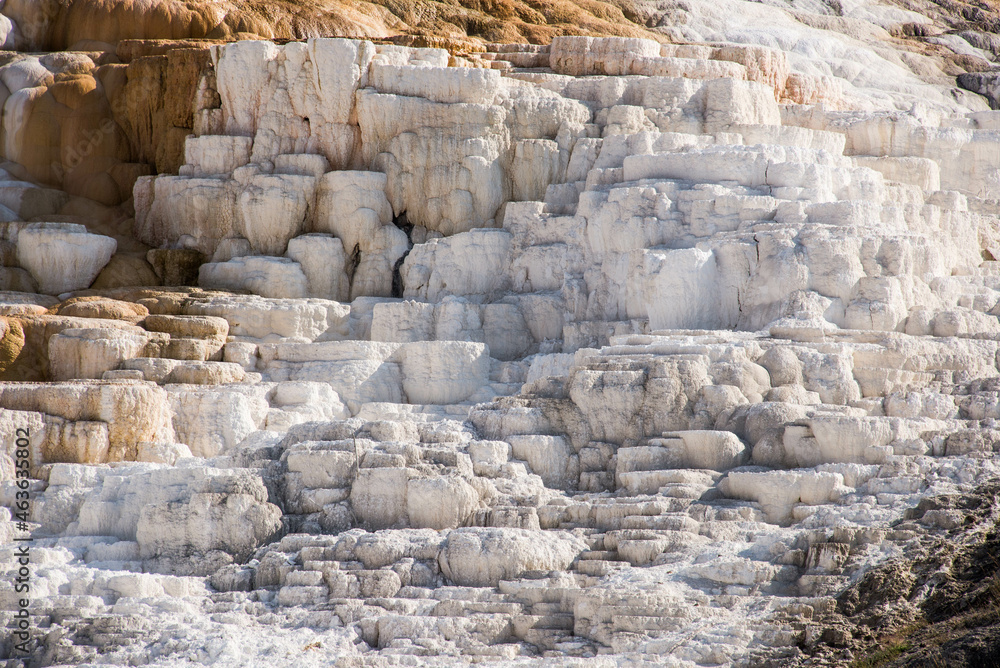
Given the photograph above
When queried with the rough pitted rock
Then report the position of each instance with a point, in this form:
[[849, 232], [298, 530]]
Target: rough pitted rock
[[662, 348]]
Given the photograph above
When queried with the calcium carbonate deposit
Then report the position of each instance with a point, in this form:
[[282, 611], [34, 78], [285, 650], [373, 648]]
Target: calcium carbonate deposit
[[607, 352]]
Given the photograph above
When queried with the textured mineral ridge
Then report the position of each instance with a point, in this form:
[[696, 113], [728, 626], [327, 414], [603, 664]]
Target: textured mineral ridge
[[629, 350]]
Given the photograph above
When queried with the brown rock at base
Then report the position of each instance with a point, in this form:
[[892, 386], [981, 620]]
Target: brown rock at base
[[15, 279], [191, 326], [124, 271], [32, 361], [101, 307], [134, 411], [11, 342]]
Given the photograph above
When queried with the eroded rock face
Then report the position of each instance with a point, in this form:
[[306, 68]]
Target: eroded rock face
[[131, 413], [90, 123], [230, 515], [63, 257], [608, 350], [478, 557]]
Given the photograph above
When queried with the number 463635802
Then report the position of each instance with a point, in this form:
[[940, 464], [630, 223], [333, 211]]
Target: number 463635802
[[22, 465]]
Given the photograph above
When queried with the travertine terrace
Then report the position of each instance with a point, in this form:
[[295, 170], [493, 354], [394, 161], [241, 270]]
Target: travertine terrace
[[607, 352]]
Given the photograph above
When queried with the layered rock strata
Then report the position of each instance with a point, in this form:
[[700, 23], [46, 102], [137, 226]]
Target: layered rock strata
[[614, 353]]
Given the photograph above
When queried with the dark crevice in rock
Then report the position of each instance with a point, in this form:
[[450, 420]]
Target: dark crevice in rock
[[353, 262], [403, 223]]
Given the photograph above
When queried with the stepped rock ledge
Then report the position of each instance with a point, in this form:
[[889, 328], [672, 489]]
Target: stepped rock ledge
[[577, 334]]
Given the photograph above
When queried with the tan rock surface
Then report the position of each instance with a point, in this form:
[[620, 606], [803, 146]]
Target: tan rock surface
[[101, 307], [11, 343], [588, 351]]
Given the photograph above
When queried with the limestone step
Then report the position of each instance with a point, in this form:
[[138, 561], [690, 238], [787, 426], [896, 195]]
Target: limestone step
[[406, 647], [551, 607], [503, 650], [821, 585], [880, 381], [662, 607], [514, 517], [669, 522], [423, 593], [683, 491], [516, 47], [541, 591], [646, 623], [471, 631], [186, 372], [642, 546], [610, 516], [572, 647], [292, 595], [468, 594], [420, 413], [524, 623], [525, 60], [192, 349], [530, 70], [599, 555], [458, 608], [404, 606], [600, 567], [547, 639], [303, 578], [506, 389]]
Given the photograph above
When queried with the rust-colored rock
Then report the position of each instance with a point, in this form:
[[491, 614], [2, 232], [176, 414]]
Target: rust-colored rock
[[133, 411], [156, 105], [101, 307], [32, 361], [65, 24], [11, 342], [125, 271]]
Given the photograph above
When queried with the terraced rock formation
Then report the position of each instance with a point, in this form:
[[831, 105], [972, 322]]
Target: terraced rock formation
[[609, 351]]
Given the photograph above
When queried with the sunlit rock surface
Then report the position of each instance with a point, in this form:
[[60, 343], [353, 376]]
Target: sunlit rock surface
[[607, 352]]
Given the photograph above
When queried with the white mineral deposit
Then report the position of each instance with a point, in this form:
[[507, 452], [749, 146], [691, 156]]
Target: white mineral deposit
[[613, 351]]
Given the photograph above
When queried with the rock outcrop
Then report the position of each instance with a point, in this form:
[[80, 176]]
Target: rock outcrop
[[613, 351]]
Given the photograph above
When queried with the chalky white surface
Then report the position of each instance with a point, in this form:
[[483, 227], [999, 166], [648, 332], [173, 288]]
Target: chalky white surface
[[668, 341]]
